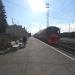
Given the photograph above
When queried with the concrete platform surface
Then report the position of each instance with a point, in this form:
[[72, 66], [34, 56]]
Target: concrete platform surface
[[36, 59]]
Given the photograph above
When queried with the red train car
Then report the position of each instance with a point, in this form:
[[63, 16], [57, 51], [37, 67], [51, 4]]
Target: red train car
[[50, 35], [53, 35]]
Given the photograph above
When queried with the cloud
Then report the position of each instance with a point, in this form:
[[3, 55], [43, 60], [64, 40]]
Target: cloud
[[37, 6], [65, 27], [35, 27]]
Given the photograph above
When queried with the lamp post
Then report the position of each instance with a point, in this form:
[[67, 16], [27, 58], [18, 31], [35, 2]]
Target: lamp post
[[47, 6]]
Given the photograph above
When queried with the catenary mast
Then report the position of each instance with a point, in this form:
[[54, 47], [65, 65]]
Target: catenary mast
[[47, 6]]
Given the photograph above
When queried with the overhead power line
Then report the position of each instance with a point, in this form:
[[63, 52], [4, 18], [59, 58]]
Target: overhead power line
[[65, 5]]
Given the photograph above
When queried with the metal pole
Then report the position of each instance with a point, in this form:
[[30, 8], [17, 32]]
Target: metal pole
[[69, 27], [47, 6], [12, 21], [48, 17]]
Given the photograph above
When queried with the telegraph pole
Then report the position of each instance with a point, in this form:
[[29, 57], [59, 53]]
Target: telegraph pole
[[47, 6]]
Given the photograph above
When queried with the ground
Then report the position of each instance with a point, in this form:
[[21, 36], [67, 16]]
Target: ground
[[37, 58]]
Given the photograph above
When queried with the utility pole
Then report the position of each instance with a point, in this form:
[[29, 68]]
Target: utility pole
[[12, 21], [69, 27], [30, 28], [47, 6]]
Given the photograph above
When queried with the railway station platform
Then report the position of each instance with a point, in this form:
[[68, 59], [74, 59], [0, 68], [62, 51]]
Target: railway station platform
[[37, 58]]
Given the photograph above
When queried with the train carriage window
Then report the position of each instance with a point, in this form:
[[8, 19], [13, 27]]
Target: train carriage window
[[51, 30]]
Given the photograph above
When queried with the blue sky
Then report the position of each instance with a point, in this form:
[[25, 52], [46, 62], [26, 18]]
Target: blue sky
[[32, 13]]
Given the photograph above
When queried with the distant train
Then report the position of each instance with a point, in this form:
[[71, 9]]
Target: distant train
[[50, 35]]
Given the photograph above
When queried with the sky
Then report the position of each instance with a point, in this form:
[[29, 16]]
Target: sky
[[33, 14]]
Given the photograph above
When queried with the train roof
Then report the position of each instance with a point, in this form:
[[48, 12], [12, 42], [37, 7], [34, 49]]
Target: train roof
[[49, 29], [52, 27]]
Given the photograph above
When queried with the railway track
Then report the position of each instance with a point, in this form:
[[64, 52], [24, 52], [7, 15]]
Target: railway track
[[66, 46]]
